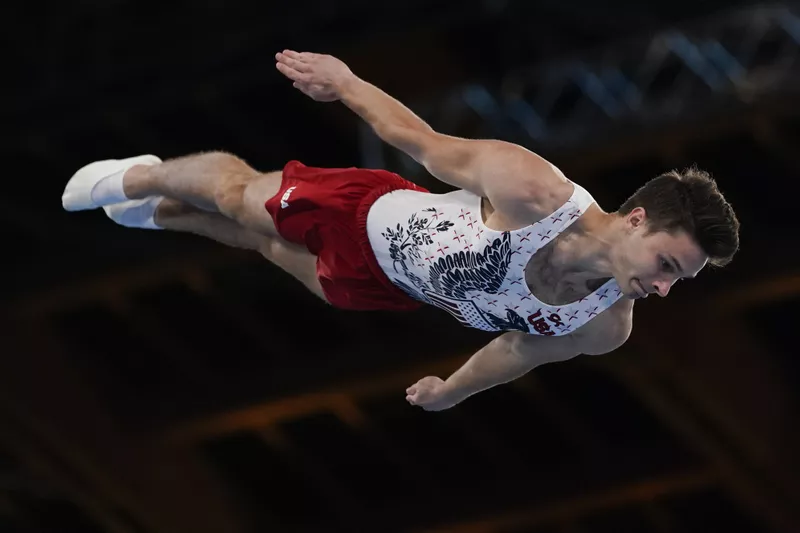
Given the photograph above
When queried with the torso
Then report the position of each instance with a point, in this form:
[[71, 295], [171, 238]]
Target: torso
[[548, 294], [544, 280]]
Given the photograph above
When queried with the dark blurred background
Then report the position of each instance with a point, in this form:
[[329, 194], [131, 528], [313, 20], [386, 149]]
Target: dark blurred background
[[160, 383]]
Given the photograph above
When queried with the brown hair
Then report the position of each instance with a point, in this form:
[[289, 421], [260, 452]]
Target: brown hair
[[689, 201]]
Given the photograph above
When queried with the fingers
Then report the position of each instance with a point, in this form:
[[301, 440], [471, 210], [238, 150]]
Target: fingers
[[411, 393], [296, 63], [296, 55], [293, 74]]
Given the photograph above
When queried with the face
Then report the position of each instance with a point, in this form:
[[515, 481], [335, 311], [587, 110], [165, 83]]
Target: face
[[647, 264]]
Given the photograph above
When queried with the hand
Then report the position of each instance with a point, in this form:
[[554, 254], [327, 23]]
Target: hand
[[431, 394], [322, 77]]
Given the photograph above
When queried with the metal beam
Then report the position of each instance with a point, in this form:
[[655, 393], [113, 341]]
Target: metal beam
[[755, 293], [606, 153], [128, 473], [660, 518], [157, 333], [336, 399], [29, 453], [577, 431], [348, 508], [565, 511], [117, 284], [114, 286], [618, 89], [351, 414], [494, 449], [680, 417], [757, 447]]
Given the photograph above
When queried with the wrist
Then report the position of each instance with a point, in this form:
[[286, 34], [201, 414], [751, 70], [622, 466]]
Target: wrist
[[348, 87], [451, 391]]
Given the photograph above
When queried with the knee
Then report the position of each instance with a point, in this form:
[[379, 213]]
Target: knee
[[226, 162], [234, 176], [229, 197]]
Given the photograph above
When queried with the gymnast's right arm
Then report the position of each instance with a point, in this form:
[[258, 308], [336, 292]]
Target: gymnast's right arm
[[506, 358], [514, 354]]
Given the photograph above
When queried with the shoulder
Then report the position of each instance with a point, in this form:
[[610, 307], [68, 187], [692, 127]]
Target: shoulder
[[534, 181], [608, 331], [518, 180]]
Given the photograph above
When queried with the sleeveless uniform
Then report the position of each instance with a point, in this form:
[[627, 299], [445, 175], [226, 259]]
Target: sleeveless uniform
[[433, 247]]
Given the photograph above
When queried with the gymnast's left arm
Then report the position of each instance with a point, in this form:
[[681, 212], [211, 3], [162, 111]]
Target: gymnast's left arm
[[509, 175], [326, 79]]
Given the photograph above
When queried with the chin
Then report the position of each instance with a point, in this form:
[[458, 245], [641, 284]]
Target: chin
[[631, 295], [628, 290]]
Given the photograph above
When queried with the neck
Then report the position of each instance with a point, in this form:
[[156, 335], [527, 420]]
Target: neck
[[585, 256]]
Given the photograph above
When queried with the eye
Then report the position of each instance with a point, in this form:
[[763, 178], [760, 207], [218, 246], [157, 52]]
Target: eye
[[666, 266]]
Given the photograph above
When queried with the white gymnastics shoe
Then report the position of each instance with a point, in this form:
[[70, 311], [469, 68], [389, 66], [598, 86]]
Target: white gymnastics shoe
[[135, 213], [100, 183]]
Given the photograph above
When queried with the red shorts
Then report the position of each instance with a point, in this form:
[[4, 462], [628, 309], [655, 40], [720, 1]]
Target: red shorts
[[326, 209]]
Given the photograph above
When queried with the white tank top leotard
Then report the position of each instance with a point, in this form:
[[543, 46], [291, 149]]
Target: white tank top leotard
[[436, 248]]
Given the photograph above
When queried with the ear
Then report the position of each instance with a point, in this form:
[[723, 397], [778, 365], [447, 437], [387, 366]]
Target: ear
[[636, 218]]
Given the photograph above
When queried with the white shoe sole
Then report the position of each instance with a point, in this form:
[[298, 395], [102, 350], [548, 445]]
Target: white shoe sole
[[135, 213]]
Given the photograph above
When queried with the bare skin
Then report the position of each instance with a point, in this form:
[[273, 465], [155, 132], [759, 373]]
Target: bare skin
[[180, 216], [216, 182], [225, 215], [219, 196], [600, 246]]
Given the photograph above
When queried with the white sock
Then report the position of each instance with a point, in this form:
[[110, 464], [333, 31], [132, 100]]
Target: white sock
[[135, 213], [109, 189]]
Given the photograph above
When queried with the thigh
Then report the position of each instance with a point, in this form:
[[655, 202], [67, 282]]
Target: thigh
[[181, 216], [295, 260]]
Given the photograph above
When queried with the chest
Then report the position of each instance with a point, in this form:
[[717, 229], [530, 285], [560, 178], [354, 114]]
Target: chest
[[547, 281]]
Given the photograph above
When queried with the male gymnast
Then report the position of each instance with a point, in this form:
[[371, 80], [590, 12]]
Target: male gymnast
[[516, 248]]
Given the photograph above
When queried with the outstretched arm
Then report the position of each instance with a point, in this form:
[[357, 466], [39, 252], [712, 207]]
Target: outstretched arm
[[506, 358], [494, 169], [514, 354]]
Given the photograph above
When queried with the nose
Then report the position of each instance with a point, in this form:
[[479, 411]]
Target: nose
[[662, 287]]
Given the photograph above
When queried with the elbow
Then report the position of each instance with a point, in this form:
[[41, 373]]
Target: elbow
[[611, 341]]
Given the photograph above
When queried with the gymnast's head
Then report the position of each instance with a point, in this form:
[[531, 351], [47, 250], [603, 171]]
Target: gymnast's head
[[671, 228]]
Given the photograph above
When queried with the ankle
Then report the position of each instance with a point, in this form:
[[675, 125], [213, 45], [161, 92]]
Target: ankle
[[137, 182]]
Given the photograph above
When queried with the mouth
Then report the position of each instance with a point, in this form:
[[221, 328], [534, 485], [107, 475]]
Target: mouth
[[637, 286]]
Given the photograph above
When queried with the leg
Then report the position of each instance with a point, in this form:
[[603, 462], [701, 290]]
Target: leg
[[297, 261], [214, 182], [179, 216]]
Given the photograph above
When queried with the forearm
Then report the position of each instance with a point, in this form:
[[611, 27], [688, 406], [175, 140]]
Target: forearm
[[496, 363], [392, 121], [506, 358]]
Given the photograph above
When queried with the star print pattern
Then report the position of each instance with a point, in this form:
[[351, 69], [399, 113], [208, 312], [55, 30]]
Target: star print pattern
[[445, 256]]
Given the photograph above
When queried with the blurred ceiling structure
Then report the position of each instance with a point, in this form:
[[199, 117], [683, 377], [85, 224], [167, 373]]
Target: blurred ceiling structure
[[159, 383]]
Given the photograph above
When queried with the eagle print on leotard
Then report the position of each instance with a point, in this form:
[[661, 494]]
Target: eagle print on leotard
[[452, 275], [442, 254]]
